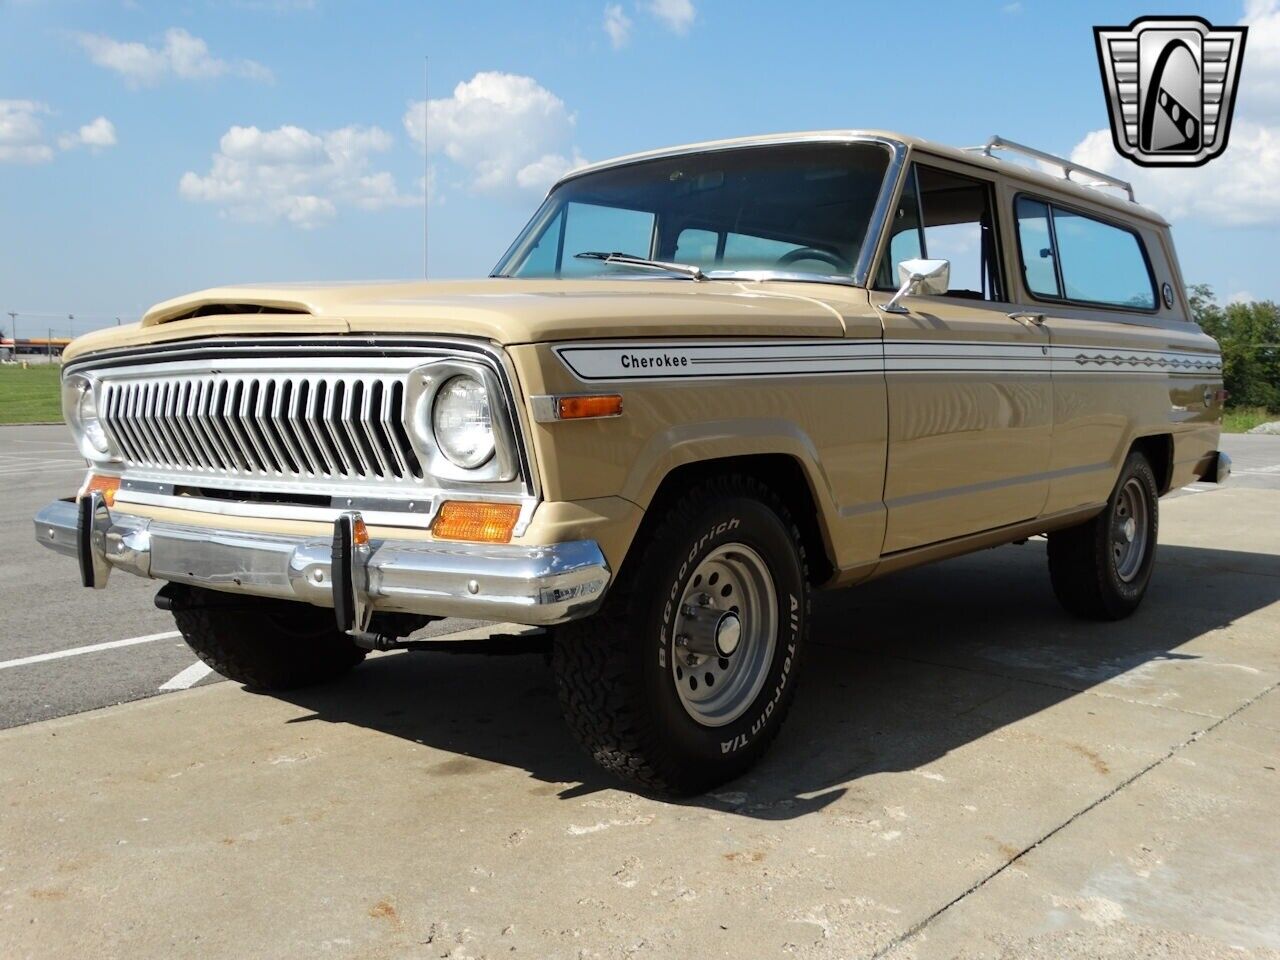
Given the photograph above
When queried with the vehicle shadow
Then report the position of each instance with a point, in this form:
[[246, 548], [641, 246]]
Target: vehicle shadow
[[902, 671]]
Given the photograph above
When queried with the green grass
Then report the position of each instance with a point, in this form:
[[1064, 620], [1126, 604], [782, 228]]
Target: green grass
[[1244, 419], [31, 395]]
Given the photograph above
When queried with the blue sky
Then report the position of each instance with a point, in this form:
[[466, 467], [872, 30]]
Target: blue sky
[[148, 149]]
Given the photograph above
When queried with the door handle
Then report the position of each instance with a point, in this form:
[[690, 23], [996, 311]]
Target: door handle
[[1027, 316]]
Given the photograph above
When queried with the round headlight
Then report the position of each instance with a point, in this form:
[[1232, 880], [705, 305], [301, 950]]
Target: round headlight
[[90, 423], [462, 423]]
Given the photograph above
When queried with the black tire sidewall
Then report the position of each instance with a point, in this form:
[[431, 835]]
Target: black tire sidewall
[[694, 746]]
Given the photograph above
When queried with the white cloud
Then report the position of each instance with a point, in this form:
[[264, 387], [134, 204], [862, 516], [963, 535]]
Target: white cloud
[[21, 133], [96, 135], [1241, 296], [617, 25], [182, 55], [503, 130], [1259, 90], [1241, 187], [1012, 8], [676, 15], [293, 174]]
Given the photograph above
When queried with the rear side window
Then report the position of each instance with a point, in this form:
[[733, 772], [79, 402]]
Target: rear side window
[[1066, 255]]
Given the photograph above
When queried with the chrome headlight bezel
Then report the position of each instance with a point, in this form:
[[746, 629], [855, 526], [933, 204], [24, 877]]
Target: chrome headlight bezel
[[81, 395], [422, 390]]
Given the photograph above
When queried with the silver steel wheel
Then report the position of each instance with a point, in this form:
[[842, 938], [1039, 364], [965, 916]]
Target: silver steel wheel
[[724, 634], [1130, 529]]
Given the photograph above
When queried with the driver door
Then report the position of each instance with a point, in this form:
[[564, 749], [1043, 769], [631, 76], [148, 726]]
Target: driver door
[[970, 397]]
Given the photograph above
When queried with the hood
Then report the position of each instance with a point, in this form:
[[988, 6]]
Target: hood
[[502, 310]]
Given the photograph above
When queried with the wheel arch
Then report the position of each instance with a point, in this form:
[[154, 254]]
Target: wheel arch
[[784, 473], [1158, 449]]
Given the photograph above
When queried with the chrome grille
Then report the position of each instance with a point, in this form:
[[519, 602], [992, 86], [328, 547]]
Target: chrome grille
[[346, 426]]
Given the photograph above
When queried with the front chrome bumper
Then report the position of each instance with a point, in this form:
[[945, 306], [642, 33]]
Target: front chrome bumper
[[537, 585]]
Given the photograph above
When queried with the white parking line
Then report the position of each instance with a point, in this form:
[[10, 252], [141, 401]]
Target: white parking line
[[91, 648], [188, 677]]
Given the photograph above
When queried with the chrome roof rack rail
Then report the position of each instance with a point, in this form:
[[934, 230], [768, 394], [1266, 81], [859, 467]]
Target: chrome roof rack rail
[[1068, 167]]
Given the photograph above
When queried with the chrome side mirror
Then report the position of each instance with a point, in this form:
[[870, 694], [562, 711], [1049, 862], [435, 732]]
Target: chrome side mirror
[[920, 277]]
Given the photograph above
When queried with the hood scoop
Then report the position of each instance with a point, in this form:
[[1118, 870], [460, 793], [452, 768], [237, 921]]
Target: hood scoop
[[222, 308]]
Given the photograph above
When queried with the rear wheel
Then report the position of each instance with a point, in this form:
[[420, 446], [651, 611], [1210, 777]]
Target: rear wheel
[[1101, 568], [682, 680], [264, 644]]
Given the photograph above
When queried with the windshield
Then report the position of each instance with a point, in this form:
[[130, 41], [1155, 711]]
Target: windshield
[[799, 209]]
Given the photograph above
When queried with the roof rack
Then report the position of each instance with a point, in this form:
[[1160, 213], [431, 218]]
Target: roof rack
[[1068, 167]]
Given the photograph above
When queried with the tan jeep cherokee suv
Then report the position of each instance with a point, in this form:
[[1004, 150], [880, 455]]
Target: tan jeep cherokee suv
[[701, 384]]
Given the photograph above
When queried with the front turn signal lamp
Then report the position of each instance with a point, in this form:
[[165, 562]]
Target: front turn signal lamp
[[582, 408], [475, 521], [107, 485]]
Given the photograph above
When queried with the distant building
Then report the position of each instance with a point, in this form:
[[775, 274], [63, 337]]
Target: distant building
[[32, 346]]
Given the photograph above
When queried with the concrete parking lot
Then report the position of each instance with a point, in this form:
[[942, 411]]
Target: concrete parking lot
[[967, 773]]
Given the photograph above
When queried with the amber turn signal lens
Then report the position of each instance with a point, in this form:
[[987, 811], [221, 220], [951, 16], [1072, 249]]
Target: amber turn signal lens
[[359, 533], [108, 486], [577, 408], [481, 522]]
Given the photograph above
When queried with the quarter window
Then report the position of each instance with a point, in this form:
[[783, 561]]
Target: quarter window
[[1035, 242], [1069, 256]]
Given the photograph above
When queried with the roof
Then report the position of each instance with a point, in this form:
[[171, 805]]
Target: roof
[[1003, 167]]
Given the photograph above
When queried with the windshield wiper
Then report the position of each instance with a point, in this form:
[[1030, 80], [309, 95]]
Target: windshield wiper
[[640, 263]]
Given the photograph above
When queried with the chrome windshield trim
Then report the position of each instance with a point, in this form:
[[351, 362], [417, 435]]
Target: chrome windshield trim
[[880, 212]]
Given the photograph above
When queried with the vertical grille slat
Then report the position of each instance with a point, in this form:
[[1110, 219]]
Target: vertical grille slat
[[306, 425]]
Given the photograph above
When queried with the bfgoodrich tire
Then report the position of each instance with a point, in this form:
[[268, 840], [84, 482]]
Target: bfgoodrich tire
[[1100, 569], [265, 644], [684, 677]]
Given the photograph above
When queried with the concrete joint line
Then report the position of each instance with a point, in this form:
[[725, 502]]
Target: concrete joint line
[[912, 932]]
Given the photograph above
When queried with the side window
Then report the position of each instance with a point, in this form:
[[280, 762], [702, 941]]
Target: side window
[[959, 225], [1069, 256], [695, 245], [590, 226], [1102, 263], [946, 216], [1035, 243], [906, 242]]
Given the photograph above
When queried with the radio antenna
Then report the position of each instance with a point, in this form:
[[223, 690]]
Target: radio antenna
[[426, 172]]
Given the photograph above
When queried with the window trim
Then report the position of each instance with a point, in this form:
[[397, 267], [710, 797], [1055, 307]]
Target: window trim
[[1051, 204]]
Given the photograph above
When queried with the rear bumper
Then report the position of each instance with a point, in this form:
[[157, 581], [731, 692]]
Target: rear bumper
[[537, 585]]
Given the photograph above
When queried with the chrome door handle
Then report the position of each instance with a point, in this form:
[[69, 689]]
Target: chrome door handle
[[1027, 317]]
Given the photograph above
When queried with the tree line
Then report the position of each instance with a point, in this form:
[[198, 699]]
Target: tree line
[[1249, 334]]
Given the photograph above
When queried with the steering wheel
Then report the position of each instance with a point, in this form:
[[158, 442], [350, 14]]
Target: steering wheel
[[813, 253]]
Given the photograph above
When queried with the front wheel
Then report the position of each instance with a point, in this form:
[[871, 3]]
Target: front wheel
[[264, 644], [682, 680], [1101, 568]]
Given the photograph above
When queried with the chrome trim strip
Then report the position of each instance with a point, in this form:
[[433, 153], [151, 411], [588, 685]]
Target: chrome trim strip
[[536, 585]]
